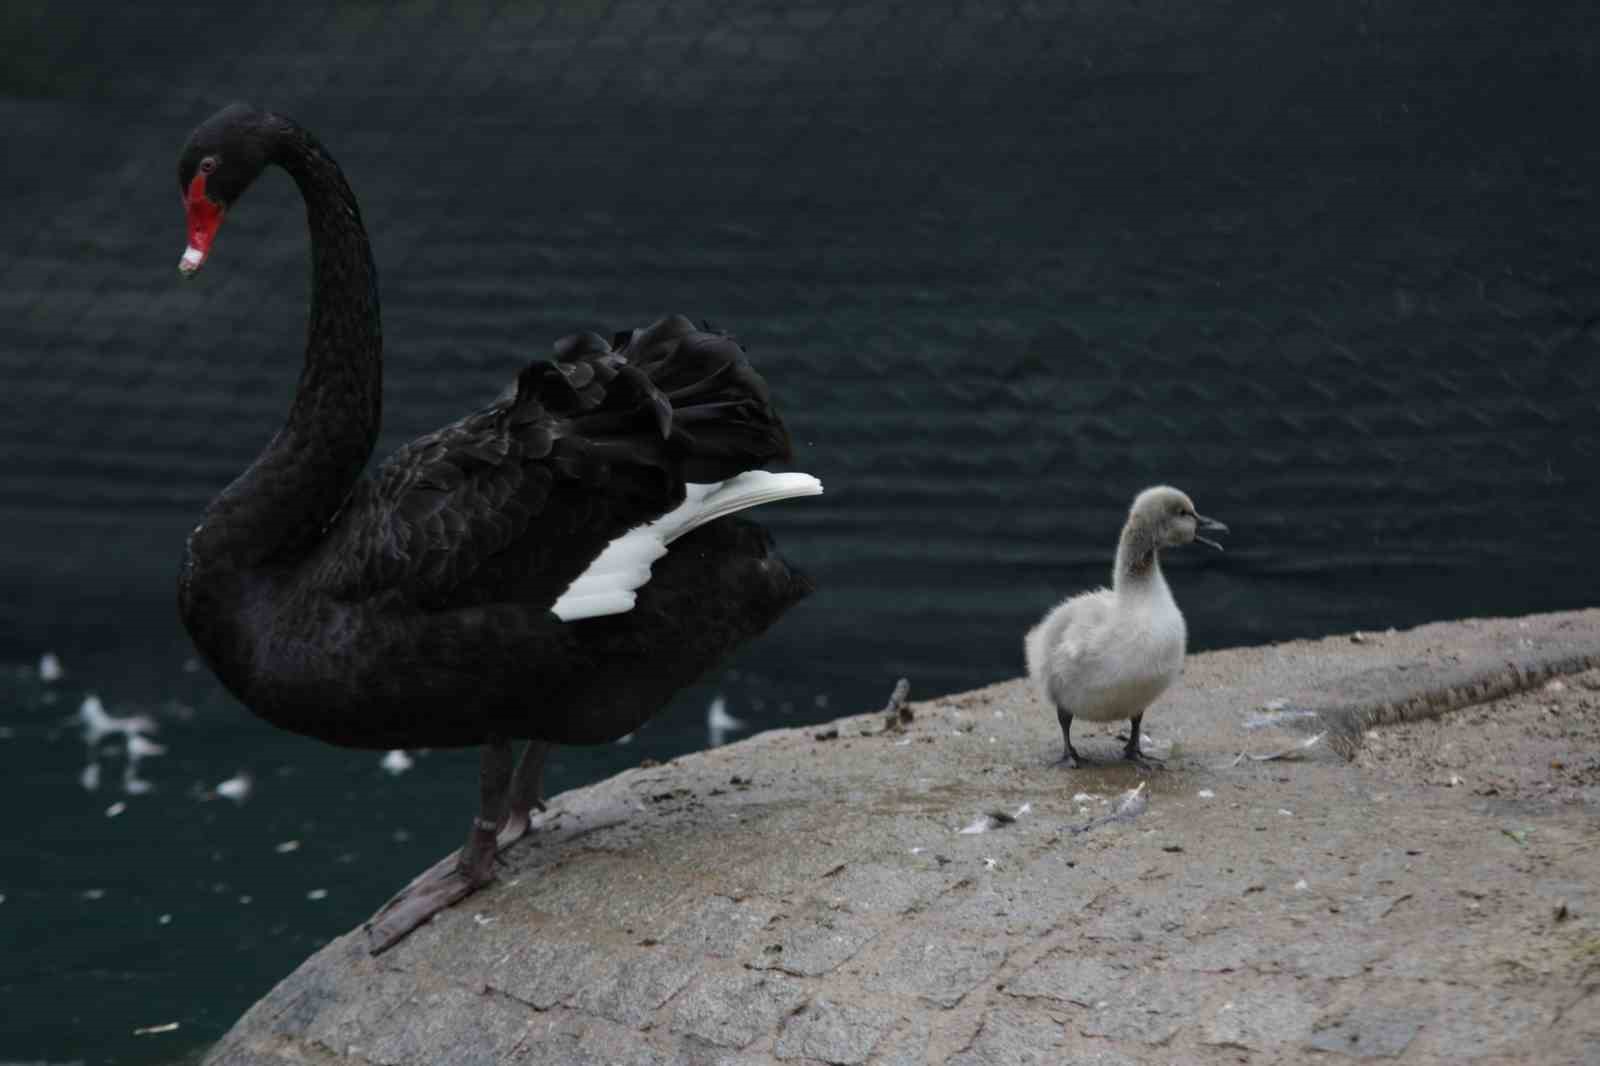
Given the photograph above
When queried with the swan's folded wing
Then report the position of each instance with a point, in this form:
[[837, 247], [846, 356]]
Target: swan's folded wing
[[512, 503], [609, 583]]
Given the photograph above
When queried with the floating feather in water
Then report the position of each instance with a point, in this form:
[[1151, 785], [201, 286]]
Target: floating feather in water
[[98, 724], [139, 749], [396, 762], [238, 787], [719, 723]]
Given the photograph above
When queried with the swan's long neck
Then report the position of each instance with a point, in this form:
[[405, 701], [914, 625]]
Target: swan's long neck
[[279, 507], [1138, 568]]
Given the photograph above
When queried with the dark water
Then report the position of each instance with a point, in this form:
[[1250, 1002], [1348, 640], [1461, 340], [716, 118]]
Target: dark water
[[1333, 274], [123, 911]]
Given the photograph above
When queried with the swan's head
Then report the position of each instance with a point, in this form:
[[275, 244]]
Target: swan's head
[[219, 161], [1167, 519]]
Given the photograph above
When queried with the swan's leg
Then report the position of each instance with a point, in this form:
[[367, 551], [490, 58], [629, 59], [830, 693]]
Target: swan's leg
[[457, 876], [527, 792], [1070, 759]]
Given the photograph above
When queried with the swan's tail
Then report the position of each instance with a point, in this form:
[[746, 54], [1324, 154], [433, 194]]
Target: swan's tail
[[721, 413], [692, 390], [612, 580]]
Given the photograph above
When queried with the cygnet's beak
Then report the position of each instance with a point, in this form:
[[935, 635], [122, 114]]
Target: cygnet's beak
[[1210, 525]]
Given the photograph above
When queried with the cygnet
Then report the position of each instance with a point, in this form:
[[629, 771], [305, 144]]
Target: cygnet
[[1108, 654]]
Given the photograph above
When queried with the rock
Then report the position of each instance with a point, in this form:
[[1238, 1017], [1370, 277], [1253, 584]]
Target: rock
[[832, 1032], [1070, 978], [823, 910], [1370, 1031], [1262, 1018], [1011, 1037], [732, 1009], [940, 966], [810, 946], [632, 986]]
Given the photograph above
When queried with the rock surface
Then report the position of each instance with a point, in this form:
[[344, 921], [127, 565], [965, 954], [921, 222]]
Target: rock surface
[[799, 901]]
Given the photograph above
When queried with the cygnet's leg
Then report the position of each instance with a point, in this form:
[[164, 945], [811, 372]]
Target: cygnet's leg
[[527, 792], [460, 875], [1132, 751], [1070, 759]]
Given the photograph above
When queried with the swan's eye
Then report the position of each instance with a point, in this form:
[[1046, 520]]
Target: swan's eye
[[208, 164]]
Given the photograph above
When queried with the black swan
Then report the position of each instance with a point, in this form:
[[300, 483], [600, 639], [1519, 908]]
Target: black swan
[[506, 577]]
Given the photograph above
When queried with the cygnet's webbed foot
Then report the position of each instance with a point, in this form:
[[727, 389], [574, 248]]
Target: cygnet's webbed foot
[[1069, 760], [1133, 753]]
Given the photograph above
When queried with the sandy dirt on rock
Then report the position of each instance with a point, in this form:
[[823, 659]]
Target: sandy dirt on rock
[[1540, 747]]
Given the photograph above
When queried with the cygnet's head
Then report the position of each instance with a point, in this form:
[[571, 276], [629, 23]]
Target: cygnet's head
[[1168, 519]]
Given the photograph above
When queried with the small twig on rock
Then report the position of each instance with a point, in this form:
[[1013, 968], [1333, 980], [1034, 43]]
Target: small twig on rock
[[897, 713]]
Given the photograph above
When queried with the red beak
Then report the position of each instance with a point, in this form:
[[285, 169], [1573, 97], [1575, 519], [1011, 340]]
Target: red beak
[[205, 217]]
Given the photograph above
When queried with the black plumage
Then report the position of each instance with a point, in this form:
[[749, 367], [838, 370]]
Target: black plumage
[[412, 607]]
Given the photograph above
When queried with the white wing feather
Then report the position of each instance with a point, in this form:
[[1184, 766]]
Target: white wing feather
[[610, 583]]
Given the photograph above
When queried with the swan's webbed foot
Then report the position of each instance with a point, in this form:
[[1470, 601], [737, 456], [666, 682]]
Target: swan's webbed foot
[[444, 885], [1069, 760], [503, 818]]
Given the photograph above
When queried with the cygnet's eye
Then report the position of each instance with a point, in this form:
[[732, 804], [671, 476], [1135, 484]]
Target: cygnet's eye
[[208, 164]]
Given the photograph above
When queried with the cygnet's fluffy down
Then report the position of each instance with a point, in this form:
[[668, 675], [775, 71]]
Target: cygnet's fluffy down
[[1108, 654]]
